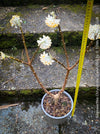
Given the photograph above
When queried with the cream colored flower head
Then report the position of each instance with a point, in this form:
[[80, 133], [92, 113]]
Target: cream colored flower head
[[15, 21], [51, 20], [2, 56], [46, 59], [94, 32], [45, 42]]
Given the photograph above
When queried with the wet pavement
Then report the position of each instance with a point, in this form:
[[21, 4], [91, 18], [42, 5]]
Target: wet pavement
[[28, 118]]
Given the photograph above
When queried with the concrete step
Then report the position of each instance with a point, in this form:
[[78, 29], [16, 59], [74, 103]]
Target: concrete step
[[28, 118], [72, 17], [16, 76]]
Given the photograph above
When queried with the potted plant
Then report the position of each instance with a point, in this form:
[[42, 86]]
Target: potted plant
[[57, 104]]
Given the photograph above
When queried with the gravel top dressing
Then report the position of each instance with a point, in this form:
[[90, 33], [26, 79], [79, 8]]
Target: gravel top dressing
[[62, 107]]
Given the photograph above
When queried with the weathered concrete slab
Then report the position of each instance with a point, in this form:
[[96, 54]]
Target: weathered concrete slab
[[51, 76], [72, 17], [29, 119]]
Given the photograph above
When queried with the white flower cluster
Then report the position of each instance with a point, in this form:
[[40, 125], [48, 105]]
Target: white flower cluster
[[46, 59], [45, 42], [94, 32], [15, 21], [51, 20], [3, 56]]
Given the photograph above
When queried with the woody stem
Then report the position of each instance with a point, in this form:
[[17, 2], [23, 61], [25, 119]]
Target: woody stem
[[34, 55], [60, 63], [64, 45], [26, 51], [45, 90], [18, 60]]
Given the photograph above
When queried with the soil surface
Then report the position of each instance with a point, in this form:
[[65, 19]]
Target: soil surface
[[62, 107]]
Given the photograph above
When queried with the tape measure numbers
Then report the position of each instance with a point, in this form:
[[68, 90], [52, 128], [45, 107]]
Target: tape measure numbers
[[83, 48]]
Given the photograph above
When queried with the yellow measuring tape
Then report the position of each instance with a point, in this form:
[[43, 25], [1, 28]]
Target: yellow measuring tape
[[83, 48]]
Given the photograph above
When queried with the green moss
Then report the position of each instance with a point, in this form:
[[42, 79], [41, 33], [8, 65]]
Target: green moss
[[36, 91], [76, 8], [9, 92], [87, 94], [9, 14], [25, 92], [15, 40], [39, 91], [33, 6], [8, 41], [84, 92], [73, 38], [36, 95], [30, 92], [71, 89], [58, 50], [86, 89]]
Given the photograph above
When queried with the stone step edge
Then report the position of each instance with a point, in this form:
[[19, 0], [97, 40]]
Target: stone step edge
[[84, 91], [14, 40]]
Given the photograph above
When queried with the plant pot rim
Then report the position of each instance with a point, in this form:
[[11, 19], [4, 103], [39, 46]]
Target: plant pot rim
[[53, 117]]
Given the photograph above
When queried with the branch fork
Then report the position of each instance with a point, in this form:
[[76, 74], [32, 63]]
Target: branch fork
[[68, 68]]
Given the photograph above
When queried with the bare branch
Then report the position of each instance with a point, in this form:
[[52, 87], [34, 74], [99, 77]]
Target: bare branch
[[7, 106], [65, 82], [9, 80], [64, 45], [74, 65], [26, 51], [60, 63], [88, 47], [45, 90], [34, 54], [18, 60]]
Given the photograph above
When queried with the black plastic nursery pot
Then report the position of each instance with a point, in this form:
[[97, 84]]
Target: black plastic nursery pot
[[57, 120]]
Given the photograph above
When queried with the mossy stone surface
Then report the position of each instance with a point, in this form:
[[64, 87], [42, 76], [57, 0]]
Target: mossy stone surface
[[15, 40], [36, 94]]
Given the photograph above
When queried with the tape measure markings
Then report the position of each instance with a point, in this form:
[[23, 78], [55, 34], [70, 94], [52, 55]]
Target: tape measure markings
[[83, 48]]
